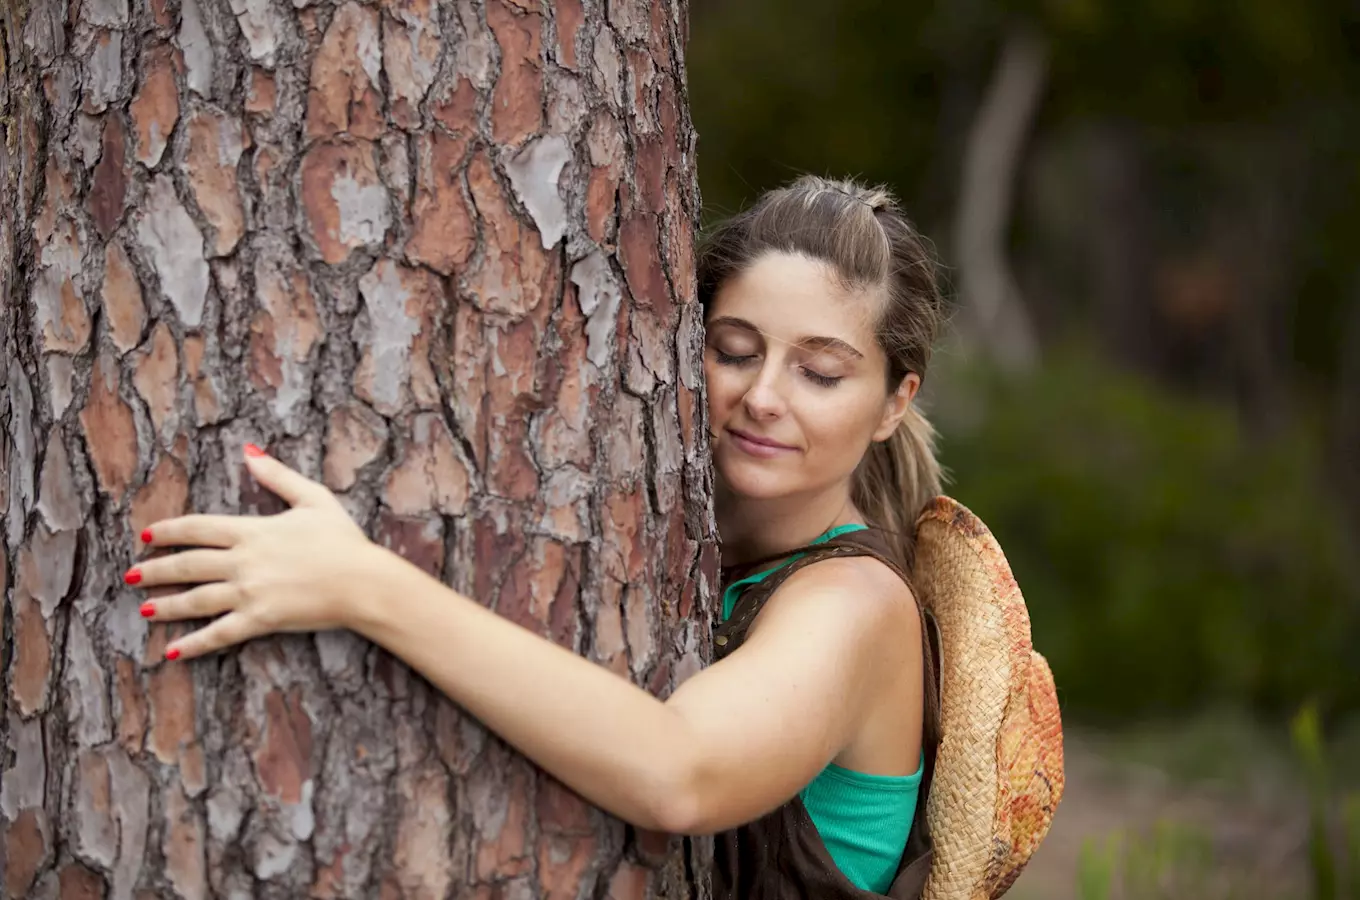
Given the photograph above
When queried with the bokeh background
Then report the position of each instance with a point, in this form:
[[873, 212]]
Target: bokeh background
[[1149, 216]]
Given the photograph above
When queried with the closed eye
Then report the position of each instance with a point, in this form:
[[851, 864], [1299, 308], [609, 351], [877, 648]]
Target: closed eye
[[819, 378], [731, 359], [728, 359]]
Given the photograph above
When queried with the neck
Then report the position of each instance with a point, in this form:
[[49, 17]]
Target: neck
[[752, 529]]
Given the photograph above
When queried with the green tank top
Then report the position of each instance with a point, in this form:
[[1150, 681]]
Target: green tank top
[[862, 819]]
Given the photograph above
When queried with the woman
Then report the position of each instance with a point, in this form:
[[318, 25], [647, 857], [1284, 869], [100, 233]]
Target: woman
[[803, 743]]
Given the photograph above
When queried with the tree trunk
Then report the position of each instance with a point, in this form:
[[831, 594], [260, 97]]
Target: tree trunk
[[993, 307], [438, 253]]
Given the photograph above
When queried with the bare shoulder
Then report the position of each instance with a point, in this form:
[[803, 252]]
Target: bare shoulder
[[861, 577], [860, 593]]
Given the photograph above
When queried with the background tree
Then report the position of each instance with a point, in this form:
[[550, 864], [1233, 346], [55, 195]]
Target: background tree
[[438, 254], [1164, 203]]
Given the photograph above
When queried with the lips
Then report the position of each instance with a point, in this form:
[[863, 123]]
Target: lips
[[755, 439], [758, 446]]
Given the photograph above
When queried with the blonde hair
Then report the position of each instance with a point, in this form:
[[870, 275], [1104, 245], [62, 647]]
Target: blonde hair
[[863, 235]]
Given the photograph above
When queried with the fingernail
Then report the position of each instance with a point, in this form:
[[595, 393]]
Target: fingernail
[[132, 576], [146, 535], [172, 654], [252, 450], [148, 610]]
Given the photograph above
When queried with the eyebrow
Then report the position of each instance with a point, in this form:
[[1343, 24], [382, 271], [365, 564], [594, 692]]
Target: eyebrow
[[829, 343]]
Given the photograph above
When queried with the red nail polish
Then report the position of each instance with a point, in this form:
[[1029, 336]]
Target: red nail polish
[[146, 535], [172, 654], [252, 450], [148, 610], [132, 576]]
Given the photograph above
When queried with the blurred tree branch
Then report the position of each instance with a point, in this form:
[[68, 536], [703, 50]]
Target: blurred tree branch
[[994, 310]]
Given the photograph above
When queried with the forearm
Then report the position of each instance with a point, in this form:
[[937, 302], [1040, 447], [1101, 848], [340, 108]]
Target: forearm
[[610, 741]]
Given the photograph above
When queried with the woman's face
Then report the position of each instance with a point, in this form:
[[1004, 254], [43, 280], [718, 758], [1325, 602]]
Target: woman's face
[[796, 379]]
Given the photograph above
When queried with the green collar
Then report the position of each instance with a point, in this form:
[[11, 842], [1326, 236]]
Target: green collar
[[734, 589]]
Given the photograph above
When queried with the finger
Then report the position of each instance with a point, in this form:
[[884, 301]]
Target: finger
[[291, 485], [198, 531], [203, 602], [231, 629], [189, 567]]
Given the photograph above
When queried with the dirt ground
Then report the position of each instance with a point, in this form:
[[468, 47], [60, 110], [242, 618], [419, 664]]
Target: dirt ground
[[1257, 832]]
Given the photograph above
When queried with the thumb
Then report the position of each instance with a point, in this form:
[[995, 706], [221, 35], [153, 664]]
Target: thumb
[[294, 487]]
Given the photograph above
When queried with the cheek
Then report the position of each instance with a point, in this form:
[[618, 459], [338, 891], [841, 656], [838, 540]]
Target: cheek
[[724, 389], [843, 426]]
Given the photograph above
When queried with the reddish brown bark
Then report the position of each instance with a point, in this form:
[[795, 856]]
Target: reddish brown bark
[[438, 253]]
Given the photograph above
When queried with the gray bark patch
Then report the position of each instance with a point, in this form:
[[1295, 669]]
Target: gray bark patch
[[364, 212], [129, 792], [104, 71], [391, 330], [21, 474], [108, 13], [197, 49], [260, 25], [22, 786], [533, 174], [599, 297], [176, 248], [86, 689]]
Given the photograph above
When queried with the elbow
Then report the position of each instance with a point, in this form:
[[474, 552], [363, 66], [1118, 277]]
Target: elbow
[[675, 803], [677, 811]]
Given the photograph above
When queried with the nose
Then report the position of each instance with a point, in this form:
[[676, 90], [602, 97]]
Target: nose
[[763, 400]]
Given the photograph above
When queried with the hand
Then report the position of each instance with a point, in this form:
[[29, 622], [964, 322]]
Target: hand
[[295, 571]]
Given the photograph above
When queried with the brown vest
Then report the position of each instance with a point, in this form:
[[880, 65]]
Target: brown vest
[[780, 856]]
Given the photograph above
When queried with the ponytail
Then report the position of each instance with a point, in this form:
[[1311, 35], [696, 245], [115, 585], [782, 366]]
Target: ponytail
[[897, 479]]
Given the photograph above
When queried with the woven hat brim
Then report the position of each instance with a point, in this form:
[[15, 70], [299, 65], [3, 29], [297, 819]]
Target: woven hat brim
[[998, 772]]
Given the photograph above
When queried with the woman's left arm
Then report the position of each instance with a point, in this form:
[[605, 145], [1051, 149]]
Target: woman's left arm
[[734, 741]]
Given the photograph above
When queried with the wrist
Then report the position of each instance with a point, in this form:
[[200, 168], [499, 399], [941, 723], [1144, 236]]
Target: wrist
[[368, 586]]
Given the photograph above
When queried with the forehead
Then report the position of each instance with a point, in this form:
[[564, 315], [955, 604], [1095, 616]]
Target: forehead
[[791, 297]]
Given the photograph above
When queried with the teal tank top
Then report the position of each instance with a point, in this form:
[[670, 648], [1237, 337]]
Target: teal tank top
[[862, 819]]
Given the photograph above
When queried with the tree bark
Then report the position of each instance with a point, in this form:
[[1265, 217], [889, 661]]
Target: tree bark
[[437, 253]]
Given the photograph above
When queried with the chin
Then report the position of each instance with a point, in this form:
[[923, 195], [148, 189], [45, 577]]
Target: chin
[[753, 480]]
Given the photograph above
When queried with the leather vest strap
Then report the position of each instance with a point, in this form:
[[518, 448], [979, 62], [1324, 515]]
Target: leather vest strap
[[728, 636]]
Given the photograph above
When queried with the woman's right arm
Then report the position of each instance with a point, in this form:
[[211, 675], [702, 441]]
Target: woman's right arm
[[733, 742], [601, 735]]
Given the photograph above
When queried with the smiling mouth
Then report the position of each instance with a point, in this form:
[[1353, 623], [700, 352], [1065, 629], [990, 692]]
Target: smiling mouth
[[757, 445]]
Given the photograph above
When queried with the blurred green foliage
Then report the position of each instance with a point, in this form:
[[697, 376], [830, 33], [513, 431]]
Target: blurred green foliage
[[1350, 825], [1309, 747], [1097, 868], [783, 86], [1169, 562], [1229, 749], [1177, 861], [1171, 559], [1334, 826], [1174, 862]]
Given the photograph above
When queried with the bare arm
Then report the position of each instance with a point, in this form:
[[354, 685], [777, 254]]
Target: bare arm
[[733, 742]]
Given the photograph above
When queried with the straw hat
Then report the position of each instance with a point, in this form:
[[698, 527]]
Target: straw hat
[[999, 769]]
